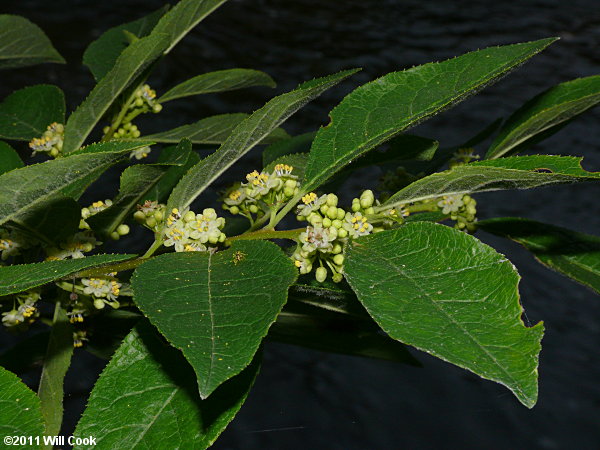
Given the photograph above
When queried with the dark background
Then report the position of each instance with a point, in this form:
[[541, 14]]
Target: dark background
[[306, 399]]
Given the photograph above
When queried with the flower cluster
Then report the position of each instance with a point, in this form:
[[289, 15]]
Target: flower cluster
[[103, 290], [11, 242], [50, 142], [26, 312], [191, 232], [462, 209], [262, 191], [329, 229], [150, 214], [94, 209], [144, 100], [74, 247], [79, 337]]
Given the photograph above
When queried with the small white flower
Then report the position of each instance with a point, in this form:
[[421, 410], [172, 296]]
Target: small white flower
[[12, 318], [316, 238], [140, 153], [176, 234], [357, 225], [311, 203], [451, 203]]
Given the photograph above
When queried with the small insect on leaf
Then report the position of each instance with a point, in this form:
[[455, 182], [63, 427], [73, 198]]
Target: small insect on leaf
[[238, 257]]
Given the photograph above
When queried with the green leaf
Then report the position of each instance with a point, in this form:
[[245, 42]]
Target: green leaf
[[28, 187], [56, 364], [576, 255], [131, 63], [160, 191], [51, 222], [246, 135], [100, 56], [545, 112], [184, 16], [516, 172], [20, 413], [215, 308], [211, 130], [17, 278], [295, 144], [379, 110], [296, 160], [147, 398], [9, 158], [136, 183], [22, 44], [26, 113], [446, 293], [219, 81]]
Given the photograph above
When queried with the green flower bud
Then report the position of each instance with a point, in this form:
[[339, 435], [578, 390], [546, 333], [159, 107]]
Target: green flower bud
[[139, 216], [355, 207], [321, 274], [315, 219], [342, 233], [98, 304], [338, 260], [234, 210], [324, 209], [151, 222], [291, 183], [300, 218], [54, 152], [326, 222], [370, 210], [332, 213], [332, 200], [106, 129], [213, 239], [253, 209], [156, 108], [337, 277], [337, 247], [87, 247], [337, 223], [341, 213], [288, 191], [127, 126], [85, 213], [115, 236], [189, 216], [158, 215], [222, 237], [136, 133], [123, 229], [333, 231], [138, 102]]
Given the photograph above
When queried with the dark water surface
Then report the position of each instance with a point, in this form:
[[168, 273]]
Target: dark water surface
[[310, 400]]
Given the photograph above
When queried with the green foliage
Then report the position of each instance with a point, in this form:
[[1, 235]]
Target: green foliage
[[183, 323], [195, 304], [248, 134], [151, 387], [377, 111], [576, 255], [448, 294], [211, 130], [545, 114], [20, 412], [17, 278], [23, 44], [24, 188], [523, 172], [101, 55], [219, 81], [56, 363], [26, 113], [9, 158]]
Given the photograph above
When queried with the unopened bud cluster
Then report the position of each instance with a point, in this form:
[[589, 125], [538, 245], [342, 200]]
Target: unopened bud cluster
[[262, 191], [95, 208], [187, 231], [144, 100], [50, 142], [330, 227], [150, 214]]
